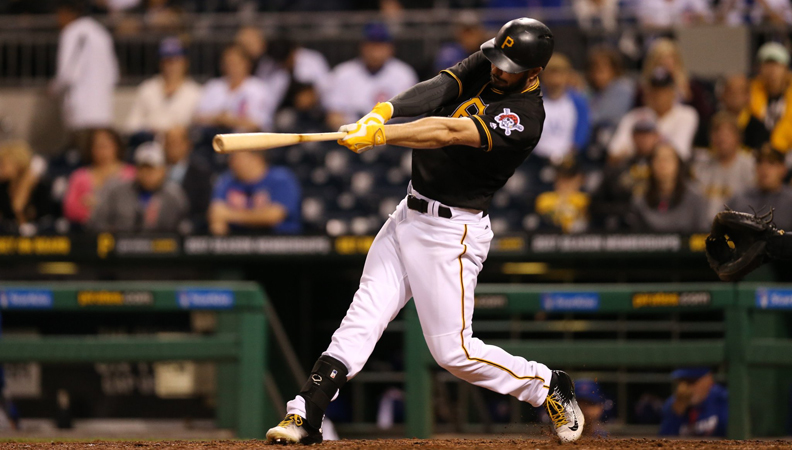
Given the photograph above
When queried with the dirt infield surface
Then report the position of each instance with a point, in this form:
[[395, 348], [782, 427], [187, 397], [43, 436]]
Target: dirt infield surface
[[414, 444]]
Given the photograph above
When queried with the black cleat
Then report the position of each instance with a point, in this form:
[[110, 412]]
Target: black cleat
[[563, 409]]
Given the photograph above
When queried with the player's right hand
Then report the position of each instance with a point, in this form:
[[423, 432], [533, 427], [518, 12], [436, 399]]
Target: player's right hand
[[381, 114], [362, 136]]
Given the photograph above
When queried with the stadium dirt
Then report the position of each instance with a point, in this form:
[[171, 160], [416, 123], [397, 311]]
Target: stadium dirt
[[414, 444]]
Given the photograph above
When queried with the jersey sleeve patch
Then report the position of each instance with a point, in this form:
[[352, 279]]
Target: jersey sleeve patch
[[508, 122]]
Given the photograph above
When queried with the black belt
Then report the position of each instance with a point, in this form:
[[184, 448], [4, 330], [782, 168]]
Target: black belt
[[422, 206]]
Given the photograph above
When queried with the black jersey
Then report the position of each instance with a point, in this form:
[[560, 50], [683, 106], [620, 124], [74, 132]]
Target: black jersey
[[509, 126]]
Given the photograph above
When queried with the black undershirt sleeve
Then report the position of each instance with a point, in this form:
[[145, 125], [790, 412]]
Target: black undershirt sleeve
[[425, 96]]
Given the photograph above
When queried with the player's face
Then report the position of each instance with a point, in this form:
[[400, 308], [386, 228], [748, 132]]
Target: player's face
[[508, 81]]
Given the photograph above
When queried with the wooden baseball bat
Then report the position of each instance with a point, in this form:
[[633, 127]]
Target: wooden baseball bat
[[240, 142]]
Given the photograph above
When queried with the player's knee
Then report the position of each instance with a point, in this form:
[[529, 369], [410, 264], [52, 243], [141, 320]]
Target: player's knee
[[448, 354]]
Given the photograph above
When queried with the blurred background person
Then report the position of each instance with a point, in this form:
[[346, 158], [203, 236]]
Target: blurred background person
[[593, 404], [611, 94], [567, 123], [699, 406], [192, 174], [105, 163], [355, 86], [665, 14], [677, 123], [734, 98], [597, 15], [736, 12], [286, 64], [166, 100], [771, 96], [237, 101], [565, 208], [691, 91], [469, 34], [725, 170], [149, 203], [770, 190], [26, 203], [624, 179], [87, 71], [670, 204], [253, 197]]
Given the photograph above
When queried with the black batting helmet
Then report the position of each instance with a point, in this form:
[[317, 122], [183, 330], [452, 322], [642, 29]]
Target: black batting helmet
[[522, 44]]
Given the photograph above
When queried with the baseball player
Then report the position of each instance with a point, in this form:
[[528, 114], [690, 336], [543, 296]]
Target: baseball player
[[485, 117]]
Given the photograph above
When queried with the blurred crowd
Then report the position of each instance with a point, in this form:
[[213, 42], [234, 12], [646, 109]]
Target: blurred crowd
[[654, 151]]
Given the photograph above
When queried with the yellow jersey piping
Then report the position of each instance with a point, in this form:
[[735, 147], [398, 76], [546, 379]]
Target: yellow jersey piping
[[532, 87], [459, 82], [487, 132], [462, 333]]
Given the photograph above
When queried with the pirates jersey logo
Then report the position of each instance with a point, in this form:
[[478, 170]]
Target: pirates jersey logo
[[508, 121]]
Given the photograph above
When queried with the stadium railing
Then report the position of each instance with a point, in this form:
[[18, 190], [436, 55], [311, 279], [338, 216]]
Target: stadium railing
[[740, 349], [239, 347]]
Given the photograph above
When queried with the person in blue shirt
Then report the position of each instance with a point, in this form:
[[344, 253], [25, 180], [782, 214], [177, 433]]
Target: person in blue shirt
[[252, 196], [699, 407], [593, 404]]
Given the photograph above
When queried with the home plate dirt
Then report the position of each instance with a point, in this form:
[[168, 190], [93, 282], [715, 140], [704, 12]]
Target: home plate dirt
[[415, 444]]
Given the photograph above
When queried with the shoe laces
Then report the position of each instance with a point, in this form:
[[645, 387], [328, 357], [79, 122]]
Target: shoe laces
[[556, 410], [291, 419]]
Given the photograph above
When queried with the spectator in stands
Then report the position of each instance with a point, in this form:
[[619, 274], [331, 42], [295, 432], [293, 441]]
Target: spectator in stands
[[86, 184], [736, 12], [665, 53], [26, 203], [670, 204], [237, 101], [565, 207], [469, 35], [87, 71], [734, 97], [665, 14], [149, 203], [592, 403], [770, 190], [303, 114], [771, 96], [597, 15], [726, 170], [676, 122], [566, 125], [699, 406], [194, 176], [252, 196], [169, 99], [355, 86], [287, 64], [611, 93], [624, 179]]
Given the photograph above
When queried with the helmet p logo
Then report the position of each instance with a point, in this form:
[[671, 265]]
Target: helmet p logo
[[508, 42]]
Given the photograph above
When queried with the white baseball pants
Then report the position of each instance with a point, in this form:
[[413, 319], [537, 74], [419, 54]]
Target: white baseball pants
[[435, 261]]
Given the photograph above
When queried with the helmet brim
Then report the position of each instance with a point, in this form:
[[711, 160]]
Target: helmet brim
[[500, 60]]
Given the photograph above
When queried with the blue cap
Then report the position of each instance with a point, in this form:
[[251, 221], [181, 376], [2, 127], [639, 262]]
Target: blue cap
[[588, 390], [377, 32], [171, 47], [690, 373]]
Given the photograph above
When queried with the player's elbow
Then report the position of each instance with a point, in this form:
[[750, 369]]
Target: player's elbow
[[459, 132]]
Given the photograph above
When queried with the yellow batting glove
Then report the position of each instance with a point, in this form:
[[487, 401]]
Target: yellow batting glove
[[362, 136], [381, 114]]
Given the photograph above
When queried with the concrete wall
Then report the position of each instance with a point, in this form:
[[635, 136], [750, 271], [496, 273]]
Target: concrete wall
[[32, 115]]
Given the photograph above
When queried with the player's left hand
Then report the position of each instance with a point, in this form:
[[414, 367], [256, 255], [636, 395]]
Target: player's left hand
[[362, 136]]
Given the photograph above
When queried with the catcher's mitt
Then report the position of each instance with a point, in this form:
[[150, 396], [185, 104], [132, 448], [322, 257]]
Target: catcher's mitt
[[736, 244]]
